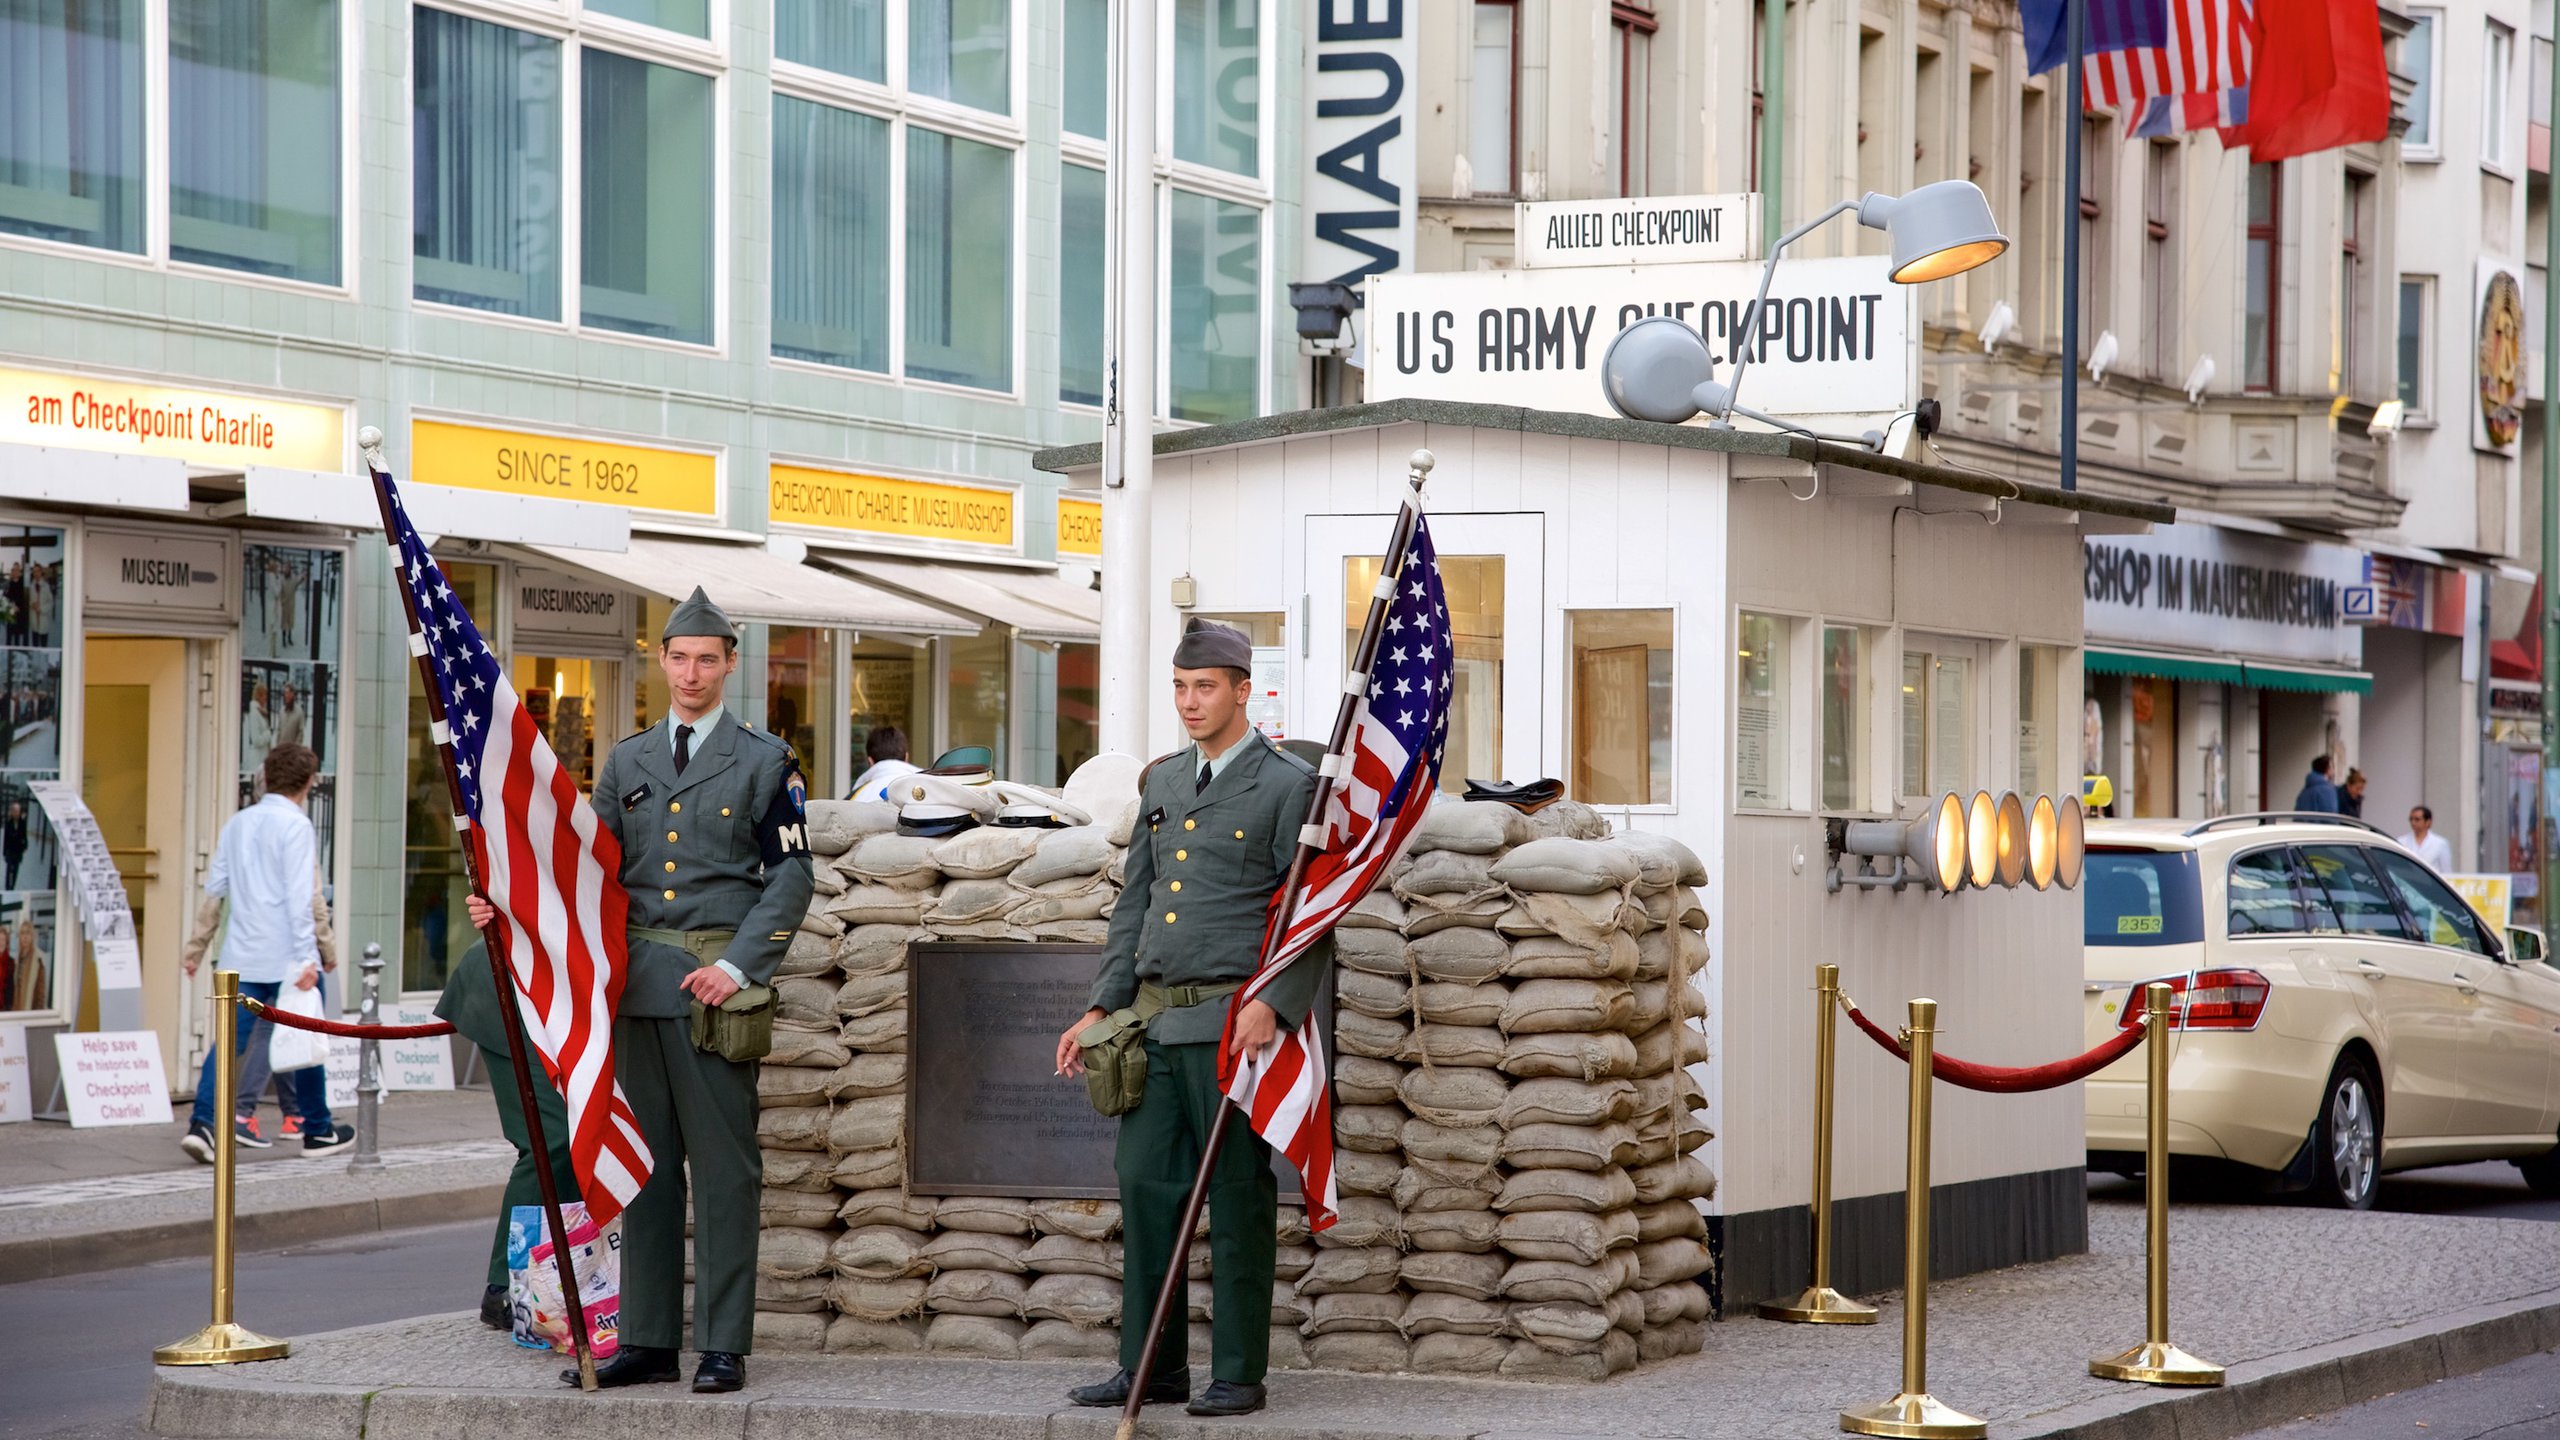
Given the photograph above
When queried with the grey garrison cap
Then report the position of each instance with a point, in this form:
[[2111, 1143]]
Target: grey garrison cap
[[697, 616], [1207, 645]]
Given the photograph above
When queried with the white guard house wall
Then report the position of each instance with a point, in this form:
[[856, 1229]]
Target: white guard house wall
[[1592, 515]]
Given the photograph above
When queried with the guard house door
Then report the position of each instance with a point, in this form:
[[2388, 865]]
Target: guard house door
[[1494, 570]]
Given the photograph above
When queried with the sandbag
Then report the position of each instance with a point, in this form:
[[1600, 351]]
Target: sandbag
[[1532, 1360], [1363, 1351], [879, 1252], [1068, 1255], [1686, 1178], [799, 1170], [1371, 952], [1567, 867], [1561, 1326], [1552, 1101], [1443, 1003], [1377, 1129], [787, 1252], [1431, 914], [809, 953], [1358, 1034], [988, 1215], [1361, 1172], [1470, 1231], [986, 1337], [884, 1033], [1546, 1007], [826, 881], [1614, 956], [1568, 1147], [783, 1086], [985, 852], [1360, 1080], [1352, 1314], [1668, 1304], [1084, 1301], [1478, 1046], [974, 1250], [1452, 1315], [1447, 1354], [869, 1169], [1570, 818], [888, 1207], [876, 1300], [1661, 861], [1461, 955], [1565, 1235], [808, 1002], [797, 1209], [1084, 1219], [1476, 1277], [1586, 1190], [797, 1128], [1376, 910], [875, 949], [1454, 1096], [1383, 997], [1288, 1262], [1054, 912], [1078, 850], [836, 826], [1444, 876], [1666, 1262], [1669, 1219], [868, 904], [868, 1077], [1441, 1185], [971, 902], [771, 1332], [976, 1292], [1549, 1281], [1473, 1145], [872, 1124], [870, 994], [1577, 1057], [1670, 1045], [1582, 919], [1668, 1342], [1059, 1340], [850, 1334], [1470, 827], [1358, 1221], [814, 1046]]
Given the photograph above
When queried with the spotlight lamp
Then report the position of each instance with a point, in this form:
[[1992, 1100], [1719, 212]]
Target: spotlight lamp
[[2012, 865], [1957, 845], [1982, 840], [2044, 843], [2072, 850], [1930, 851]]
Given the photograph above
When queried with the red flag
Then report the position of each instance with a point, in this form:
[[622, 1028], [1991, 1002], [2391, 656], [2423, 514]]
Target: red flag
[[2320, 81]]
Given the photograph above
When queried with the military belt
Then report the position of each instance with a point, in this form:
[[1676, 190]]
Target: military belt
[[705, 946], [1177, 997]]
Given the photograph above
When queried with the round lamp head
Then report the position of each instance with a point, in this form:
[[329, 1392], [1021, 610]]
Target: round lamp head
[[1982, 840], [2072, 847], [1653, 369], [2013, 839], [1938, 230], [2044, 843], [1941, 852]]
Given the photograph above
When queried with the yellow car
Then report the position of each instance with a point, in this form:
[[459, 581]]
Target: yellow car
[[2340, 1012]]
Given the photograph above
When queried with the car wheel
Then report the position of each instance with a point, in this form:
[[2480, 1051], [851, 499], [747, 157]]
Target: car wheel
[[2541, 1172], [2346, 1141]]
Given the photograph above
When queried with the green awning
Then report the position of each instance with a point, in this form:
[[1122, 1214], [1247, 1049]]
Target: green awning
[[2308, 677], [2167, 667]]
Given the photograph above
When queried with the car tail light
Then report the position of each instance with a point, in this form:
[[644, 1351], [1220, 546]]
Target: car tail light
[[2206, 1000]]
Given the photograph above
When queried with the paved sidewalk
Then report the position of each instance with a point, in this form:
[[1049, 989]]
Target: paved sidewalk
[[2312, 1310]]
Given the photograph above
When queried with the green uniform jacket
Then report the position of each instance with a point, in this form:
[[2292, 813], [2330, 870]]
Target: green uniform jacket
[[1201, 872], [722, 847], [470, 1001]]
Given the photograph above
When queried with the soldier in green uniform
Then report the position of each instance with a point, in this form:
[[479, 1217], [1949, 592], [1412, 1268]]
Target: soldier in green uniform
[[1218, 826], [715, 856], [470, 1001]]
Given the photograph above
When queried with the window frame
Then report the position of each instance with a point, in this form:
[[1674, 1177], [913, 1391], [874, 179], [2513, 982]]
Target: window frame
[[1801, 745], [1865, 737], [2355, 316], [2271, 232], [2430, 85], [2418, 409], [1511, 101], [1979, 653], [1629, 19], [1672, 610], [2162, 291], [2497, 89]]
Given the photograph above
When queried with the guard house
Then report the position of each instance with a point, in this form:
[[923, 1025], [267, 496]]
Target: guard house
[[1737, 639]]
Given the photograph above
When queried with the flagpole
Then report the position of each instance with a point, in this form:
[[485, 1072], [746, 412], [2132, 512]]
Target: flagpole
[[2074, 39], [500, 970], [2550, 617], [1310, 834], [1129, 380]]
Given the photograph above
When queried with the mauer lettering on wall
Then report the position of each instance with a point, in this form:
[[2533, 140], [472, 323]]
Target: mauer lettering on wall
[[1360, 197]]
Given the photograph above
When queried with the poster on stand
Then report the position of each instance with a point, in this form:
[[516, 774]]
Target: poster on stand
[[16, 1102], [113, 1077]]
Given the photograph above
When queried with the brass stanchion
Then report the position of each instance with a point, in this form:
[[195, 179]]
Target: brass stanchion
[[1820, 1304], [2155, 1361], [1915, 1412], [223, 1343]]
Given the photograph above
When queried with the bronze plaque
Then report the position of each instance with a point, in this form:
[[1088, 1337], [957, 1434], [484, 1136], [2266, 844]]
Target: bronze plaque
[[986, 1114]]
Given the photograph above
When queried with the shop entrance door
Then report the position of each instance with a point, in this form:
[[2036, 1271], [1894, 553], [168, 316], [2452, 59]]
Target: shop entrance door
[[150, 725], [1494, 570]]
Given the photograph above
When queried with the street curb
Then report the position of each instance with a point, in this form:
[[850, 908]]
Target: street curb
[[210, 1405], [47, 1257]]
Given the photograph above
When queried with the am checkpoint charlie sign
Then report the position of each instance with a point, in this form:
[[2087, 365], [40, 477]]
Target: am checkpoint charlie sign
[[1836, 339]]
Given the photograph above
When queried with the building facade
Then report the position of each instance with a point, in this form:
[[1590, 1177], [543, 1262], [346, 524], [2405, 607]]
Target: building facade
[[772, 298]]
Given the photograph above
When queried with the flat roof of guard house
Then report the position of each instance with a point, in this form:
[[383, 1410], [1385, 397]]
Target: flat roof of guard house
[[1757, 455]]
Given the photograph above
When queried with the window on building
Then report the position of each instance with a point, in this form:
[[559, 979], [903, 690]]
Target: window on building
[[436, 929], [961, 51], [959, 261], [891, 686], [1938, 716], [1214, 315], [255, 136], [1876, 92], [2417, 324], [2353, 322], [2039, 722], [486, 212], [830, 235], [1761, 735], [2497, 80], [1628, 157], [1621, 706], [2155, 745], [1845, 718], [2258, 298], [2098, 151], [848, 37], [566, 697], [1493, 92], [684, 17], [2161, 292], [72, 131], [30, 751], [1083, 283], [977, 693], [646, 195], [2418, 60], [1079, 708], [799, 694], [1217, 84], [1085, 81]]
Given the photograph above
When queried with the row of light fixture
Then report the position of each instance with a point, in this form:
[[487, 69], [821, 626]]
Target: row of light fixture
[[1996, 840]]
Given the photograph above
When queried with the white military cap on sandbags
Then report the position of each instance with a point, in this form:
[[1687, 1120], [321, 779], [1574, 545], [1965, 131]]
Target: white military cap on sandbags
[[1026, 805]]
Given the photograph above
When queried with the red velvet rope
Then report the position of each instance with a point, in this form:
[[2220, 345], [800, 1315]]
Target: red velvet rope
[[292, 1021], [2004, 1079]]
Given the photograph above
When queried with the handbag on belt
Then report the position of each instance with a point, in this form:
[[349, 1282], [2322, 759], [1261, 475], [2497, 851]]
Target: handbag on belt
[[739, 1028], [1115, 1048]]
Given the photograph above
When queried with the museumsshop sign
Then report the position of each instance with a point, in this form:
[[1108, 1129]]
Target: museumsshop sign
[[2197, 587]]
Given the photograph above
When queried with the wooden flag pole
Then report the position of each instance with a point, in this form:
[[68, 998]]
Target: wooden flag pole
[[500, 970], [1399, 549]]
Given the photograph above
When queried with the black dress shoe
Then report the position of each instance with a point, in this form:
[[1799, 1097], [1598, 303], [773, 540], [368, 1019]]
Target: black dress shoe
[[632, 1365], [719, 1373], [494, 1310], [1227, 1397], [1165, 1387]]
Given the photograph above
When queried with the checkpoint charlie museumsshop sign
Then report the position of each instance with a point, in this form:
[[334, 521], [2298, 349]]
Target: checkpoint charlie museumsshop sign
[[1835, 339], [2204, 588], [1652, 231]]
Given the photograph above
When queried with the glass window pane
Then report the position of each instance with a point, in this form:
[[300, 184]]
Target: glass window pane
[[1082, 284], [2413, 345], [977, 694], [1215, 309], [799, 693], [2261, 898], [890, 691], [1086, 85], [1951, 725], [959, 261], [1472, 588], [647, 198], [1217, 85], [1621, 706], [254, 136], [2155, 746], [1844, 718], [71, 137], [2355, 895], [435, 929], [30, 750], [2418, 58], [1079, 707], [957, 50], [1489, 99], [2443, 918], [485, 140], [845, 36], [1639, 112], [290, 628], [830, 235], [2039, 744], [1760, 732], [685, 17], [565, 698], [1915, 722]]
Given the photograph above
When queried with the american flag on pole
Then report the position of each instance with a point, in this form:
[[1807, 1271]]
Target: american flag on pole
[[550, 868], [2166, 65], [1384, 777]]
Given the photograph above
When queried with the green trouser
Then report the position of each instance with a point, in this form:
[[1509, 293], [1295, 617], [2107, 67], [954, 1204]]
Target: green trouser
[[524, 1187], [1158, 1158], [697, 1111]]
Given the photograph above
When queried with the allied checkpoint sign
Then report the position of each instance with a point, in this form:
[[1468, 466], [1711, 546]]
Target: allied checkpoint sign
[[1838, 338], [1652, 230]]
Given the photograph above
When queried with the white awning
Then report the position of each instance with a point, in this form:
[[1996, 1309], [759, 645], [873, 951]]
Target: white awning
[[753, 584], [92, 477], [439, 511], [1038, 607]]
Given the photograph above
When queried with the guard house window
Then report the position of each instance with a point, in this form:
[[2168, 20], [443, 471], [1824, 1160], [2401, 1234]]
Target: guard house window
[[1472, 586], [2497, 78], [30, 750], [1761, 735], [2160, 288], [435, 929], [71, 136], [1845, 718], [847, 37], [255, 136], [2039, 721], [646, 196], [1937, 717], [2417, 323], [1628, 156], [1493, 98], [830, 235], [485, 137], [2258, 300], [2418, 58], [1621, 706]]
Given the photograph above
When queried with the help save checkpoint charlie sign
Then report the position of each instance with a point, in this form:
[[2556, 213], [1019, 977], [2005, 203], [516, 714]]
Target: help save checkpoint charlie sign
[[1838, 337]]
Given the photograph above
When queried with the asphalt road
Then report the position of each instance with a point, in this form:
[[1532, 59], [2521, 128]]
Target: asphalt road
[[80, 1347], [2519, 1400]]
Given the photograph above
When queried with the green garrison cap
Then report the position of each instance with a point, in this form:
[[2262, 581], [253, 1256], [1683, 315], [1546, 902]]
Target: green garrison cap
[[1208, 645], [697, 616]]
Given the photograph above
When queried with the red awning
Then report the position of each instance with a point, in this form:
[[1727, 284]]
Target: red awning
[[2521, 657]]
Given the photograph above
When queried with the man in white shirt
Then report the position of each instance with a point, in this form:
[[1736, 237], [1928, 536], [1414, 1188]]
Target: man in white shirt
[[886, 749], [265, 865], [2422, 840]]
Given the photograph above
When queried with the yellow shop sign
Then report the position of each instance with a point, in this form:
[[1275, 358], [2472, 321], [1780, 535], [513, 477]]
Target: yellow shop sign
[[596, 472], [1079, 526], [881, 505], [201, 427]]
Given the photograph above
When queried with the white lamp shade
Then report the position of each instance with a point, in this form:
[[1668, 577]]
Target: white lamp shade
[[1938, 230]]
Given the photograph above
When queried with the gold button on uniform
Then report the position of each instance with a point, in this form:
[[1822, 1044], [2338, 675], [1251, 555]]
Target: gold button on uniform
[[671, 894], [671, 837], [1181, 854], [671, 867], [1190, 824], [1177, 887], [725, 810], [1239, 834], [675, 807], [1168, 917]]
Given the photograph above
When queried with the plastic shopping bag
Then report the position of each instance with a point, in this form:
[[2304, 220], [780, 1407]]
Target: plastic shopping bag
[[291, 1049], [533, 1279]]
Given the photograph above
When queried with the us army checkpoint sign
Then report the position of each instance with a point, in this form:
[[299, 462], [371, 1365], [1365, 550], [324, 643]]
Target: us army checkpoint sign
[[1838, 338]]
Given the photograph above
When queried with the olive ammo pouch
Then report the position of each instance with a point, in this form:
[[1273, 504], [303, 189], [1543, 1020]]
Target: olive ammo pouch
[[739, 1028], [1115, 1046]]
